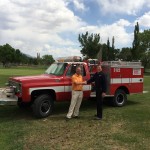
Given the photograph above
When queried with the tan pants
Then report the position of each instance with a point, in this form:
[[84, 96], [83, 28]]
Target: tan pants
[[75, 103]]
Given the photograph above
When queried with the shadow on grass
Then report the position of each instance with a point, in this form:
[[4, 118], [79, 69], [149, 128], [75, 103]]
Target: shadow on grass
[[129, 102], [15, 113], [12, 113], [61, 108]]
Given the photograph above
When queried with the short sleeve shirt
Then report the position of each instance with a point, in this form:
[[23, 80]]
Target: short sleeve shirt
[[77, 78]]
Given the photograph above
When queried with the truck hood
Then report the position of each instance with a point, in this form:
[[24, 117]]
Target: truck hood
[[35, 79]]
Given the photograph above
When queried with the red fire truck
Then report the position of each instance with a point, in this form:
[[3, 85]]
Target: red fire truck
[[42, 91]]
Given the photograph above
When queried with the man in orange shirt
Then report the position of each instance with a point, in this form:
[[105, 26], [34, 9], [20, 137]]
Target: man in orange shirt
[[77, 94]]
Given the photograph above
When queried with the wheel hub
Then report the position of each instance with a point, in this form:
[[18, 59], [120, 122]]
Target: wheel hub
[[45, 107], [120, 98]]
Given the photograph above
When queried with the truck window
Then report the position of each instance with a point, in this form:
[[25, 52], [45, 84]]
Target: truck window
[[72, 70], [83, 71], [56, 69]]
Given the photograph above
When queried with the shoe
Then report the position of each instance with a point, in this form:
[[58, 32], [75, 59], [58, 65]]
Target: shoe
[[97, 118], [76, 117], [67, 119]]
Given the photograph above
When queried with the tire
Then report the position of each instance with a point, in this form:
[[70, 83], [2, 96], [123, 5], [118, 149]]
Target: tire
[[120, 98], [43, 106]]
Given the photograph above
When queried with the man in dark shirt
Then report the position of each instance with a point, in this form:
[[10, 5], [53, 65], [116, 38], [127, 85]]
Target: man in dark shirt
[[100, 86]]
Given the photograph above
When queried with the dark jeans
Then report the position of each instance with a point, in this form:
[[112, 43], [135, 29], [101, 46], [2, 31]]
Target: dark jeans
[[99, 100]]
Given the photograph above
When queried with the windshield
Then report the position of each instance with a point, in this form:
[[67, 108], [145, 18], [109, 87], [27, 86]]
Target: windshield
[[56, 69]]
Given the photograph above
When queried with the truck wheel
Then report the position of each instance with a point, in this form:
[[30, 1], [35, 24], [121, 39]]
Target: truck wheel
[[120, 98], [43, 106]]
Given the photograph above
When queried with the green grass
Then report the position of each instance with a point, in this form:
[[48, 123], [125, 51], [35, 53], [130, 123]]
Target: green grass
[[5, 73], [126, 128]]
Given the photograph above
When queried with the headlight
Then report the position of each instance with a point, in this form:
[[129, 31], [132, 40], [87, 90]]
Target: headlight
[[19, 88], [16, 86]]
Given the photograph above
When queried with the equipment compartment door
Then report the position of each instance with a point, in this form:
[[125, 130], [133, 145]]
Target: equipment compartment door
[[115, 79], [137, 80]]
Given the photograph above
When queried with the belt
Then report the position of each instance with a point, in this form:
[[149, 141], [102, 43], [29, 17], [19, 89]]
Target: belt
[[77, 90]]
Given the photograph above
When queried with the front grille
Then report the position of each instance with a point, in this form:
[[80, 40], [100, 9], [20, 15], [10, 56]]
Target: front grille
[[16, 86]]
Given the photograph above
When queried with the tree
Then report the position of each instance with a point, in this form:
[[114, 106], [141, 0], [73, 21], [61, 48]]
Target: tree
[[144, 47], [125, 54], [113, 41], [110, 53], [146, 59], [18, 56], [48, 59], [108, 49], [90, 44], [135, 44], [104, 52], [1, 48], [7, 54]]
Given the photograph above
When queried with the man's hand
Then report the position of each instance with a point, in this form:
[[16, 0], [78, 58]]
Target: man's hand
[[85, 82], [103, 94], [81, 83]]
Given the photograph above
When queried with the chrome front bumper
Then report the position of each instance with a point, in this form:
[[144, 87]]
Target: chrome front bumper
[[7, 97]]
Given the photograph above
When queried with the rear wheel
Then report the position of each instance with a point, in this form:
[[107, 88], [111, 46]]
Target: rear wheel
[[120, 98], [43, 106]]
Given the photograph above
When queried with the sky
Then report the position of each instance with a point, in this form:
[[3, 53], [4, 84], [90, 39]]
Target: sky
[[51, 27]]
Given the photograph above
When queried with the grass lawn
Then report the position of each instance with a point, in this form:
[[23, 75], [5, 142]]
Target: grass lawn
[[5, 73], [126, 128]]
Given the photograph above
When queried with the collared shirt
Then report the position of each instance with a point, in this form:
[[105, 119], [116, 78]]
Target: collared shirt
[[77, 78]]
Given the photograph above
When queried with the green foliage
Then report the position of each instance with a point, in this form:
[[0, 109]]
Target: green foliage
[[47, 59], [10, 55], [6, 54], [109, 53], [144, 39], [144, 47], [18, 56], [104, 52], [113, 41], [90, 44], [125, 54], [91, 47], [141, 45], [135, 44], [145, 58]]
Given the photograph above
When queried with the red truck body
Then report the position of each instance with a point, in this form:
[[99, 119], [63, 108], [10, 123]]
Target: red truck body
[[128, 75]]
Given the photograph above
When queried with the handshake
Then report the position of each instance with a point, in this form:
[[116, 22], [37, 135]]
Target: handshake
[[85, 82], [81, 83]]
